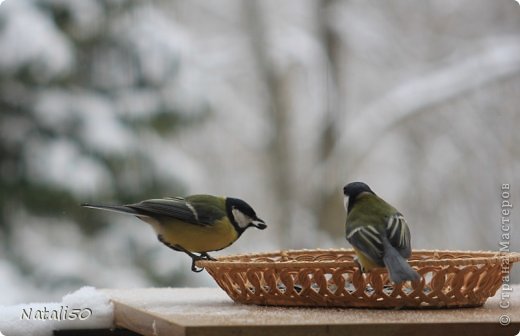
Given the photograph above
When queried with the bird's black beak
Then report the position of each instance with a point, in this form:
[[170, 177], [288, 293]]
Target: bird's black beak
[[259, 223]]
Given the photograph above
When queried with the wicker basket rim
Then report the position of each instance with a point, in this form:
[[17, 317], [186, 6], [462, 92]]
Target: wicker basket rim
[[234, 261]]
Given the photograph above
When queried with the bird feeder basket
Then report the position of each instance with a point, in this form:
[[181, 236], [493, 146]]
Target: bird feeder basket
[[332, 278]]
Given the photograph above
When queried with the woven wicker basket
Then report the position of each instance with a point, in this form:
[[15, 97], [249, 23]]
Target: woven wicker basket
[[331, 278]]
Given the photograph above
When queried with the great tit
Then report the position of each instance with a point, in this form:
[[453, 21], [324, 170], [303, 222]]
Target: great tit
[[193, 224], [378, 233]]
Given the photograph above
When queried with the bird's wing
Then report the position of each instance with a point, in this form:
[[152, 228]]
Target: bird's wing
[[207, 207], [398, 234], [174, 207], [367, 239]]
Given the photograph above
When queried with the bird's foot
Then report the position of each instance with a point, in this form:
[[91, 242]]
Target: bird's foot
[[194, 267], [206, 256], [195, 258]]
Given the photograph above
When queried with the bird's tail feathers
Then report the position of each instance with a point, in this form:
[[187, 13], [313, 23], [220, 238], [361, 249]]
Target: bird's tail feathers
[[397, 266], [115, 208]]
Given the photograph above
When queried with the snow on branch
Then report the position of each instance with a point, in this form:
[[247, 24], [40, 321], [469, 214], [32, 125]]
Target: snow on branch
[[500, 59]]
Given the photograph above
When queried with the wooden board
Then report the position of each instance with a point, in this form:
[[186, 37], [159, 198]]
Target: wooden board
[[209, 311]]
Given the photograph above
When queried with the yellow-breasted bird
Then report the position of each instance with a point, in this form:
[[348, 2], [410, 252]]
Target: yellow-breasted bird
[[378, 232], [193, 224]]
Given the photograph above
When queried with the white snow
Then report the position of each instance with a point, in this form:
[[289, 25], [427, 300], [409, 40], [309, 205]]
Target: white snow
[[155, 39], [59, 162], [66, 260], [46, 50], [13, 284], [92, 113], [86, 308], [102, 130]]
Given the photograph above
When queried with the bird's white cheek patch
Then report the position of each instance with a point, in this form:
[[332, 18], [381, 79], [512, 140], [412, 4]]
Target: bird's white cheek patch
[[345, 202], [241, 219]]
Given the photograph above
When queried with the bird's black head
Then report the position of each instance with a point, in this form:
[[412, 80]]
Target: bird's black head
[[355, 188], [242, 215], [351, 192]]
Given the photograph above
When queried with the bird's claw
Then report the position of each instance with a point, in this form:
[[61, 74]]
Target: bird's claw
[[195, 258], [194, 267], [206, 256]]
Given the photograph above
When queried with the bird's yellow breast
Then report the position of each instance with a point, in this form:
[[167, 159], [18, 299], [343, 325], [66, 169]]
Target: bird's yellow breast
[[365, 262], [198, 238]]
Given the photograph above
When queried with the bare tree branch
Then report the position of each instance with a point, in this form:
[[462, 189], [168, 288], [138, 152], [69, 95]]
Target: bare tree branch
[[277, 93], [501, 59]]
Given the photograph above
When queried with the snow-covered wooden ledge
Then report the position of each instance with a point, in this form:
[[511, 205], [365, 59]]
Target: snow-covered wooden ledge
[[209, 311]]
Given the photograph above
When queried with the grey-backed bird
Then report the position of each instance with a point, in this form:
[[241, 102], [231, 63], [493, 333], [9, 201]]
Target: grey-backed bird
[[378, 232]]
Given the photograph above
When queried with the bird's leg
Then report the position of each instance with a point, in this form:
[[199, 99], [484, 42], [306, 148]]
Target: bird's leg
[[361, 268], [206, 256], [194, 258]]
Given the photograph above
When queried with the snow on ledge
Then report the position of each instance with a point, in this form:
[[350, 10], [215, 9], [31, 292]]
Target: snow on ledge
[[86, 308]]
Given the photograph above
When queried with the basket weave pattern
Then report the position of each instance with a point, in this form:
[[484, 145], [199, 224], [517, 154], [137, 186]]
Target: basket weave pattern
[[332, 278]]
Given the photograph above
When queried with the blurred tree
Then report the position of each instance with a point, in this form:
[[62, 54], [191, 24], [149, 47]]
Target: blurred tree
[[417, 100], [328, 208], [409, 106], [86, 87], [275, 83]]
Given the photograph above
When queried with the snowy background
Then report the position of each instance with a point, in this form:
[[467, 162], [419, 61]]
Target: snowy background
[[278, 103]]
